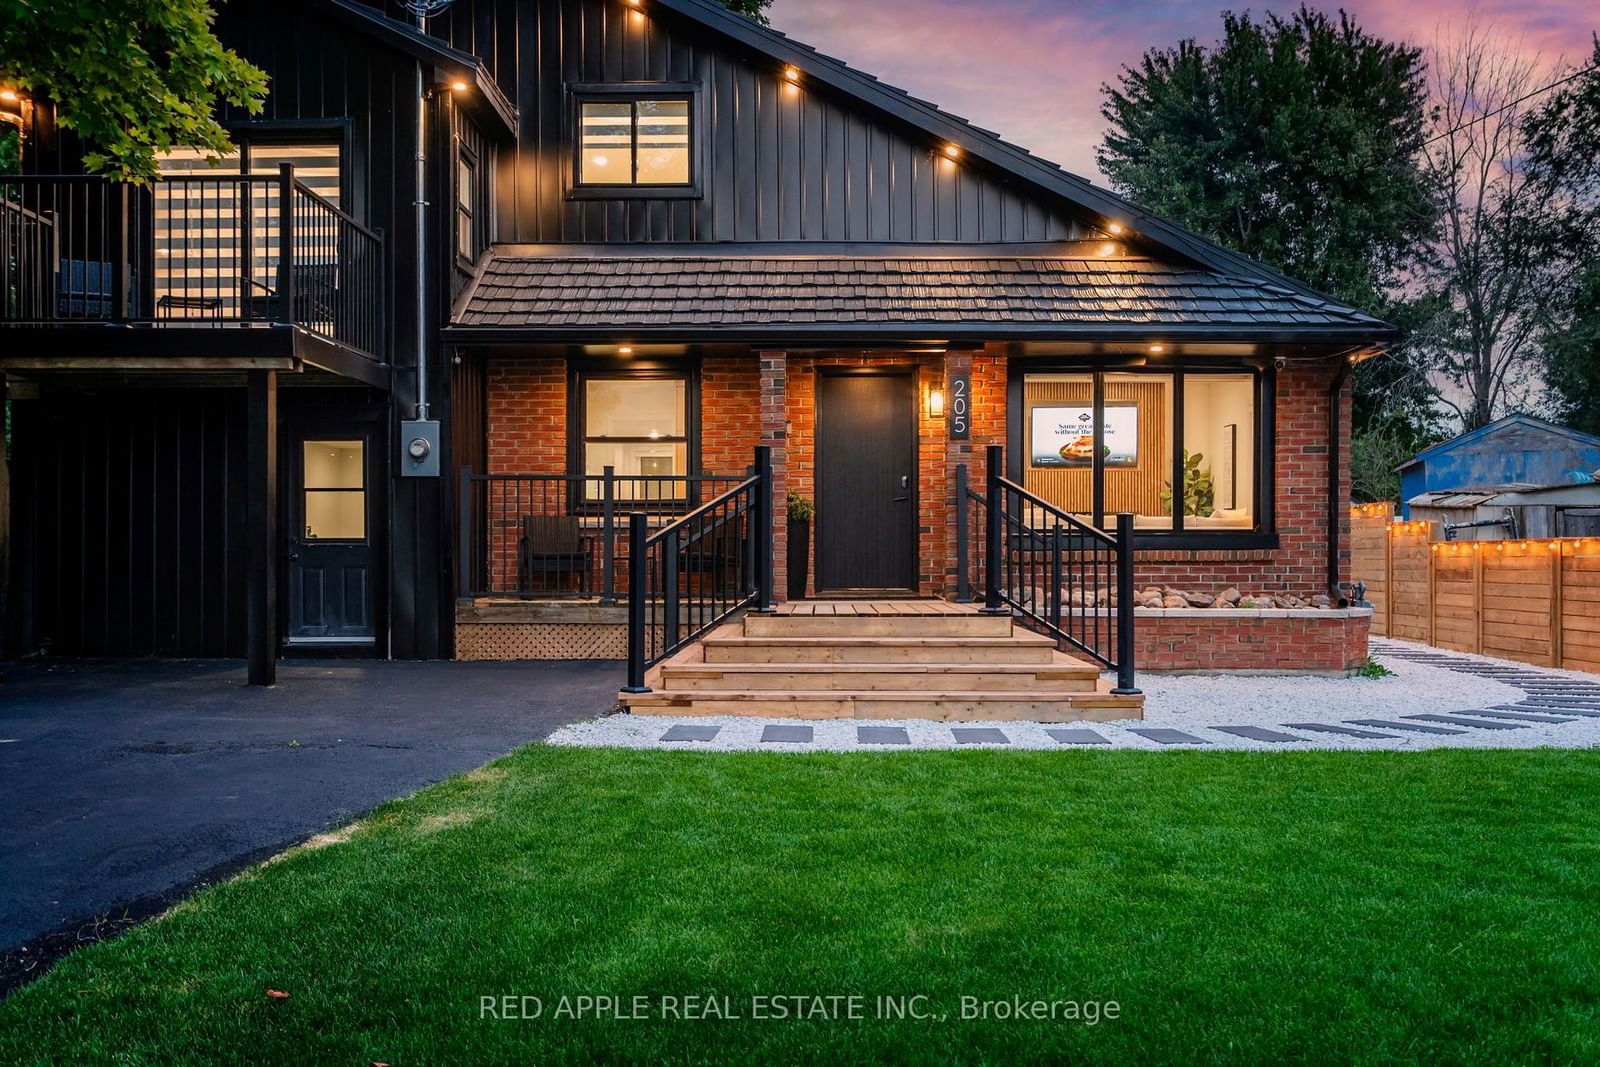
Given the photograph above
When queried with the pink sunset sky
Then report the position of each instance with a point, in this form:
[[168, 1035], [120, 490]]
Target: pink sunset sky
[[1031, 70]]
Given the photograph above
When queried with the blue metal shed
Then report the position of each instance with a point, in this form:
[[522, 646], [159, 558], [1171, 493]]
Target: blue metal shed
[[1518, 449]]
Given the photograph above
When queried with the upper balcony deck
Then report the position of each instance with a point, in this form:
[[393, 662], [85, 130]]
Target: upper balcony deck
[[160, 268]]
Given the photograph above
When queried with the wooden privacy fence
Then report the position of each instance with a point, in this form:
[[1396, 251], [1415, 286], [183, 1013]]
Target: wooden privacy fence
[[1533, 601]]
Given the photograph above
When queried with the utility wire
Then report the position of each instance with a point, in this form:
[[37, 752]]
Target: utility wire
[[1574, 76]]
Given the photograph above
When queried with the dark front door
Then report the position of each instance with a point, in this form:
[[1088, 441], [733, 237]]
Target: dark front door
[[866, 480], [330, 523]]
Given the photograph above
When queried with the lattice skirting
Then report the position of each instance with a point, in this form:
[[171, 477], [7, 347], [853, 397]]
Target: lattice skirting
[[478, 641]]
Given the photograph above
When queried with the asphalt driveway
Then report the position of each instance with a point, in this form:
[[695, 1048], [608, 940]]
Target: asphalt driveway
[[130, 782]]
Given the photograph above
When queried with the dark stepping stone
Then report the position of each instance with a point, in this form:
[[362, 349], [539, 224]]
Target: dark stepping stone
[[1170, 737], [1562, 702], [979, 735], [1414, 727], [1457, 720], [1522, 716], [1077, 737], [1257, 733], [882, 735], [1326, 728], [1556, 709], [691, 733], [795, 735]]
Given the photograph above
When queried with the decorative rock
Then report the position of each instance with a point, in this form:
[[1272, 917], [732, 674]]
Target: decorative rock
[[1173, 600], [1230, 594], [1222, 602], [1197, 600], [1321, 600]]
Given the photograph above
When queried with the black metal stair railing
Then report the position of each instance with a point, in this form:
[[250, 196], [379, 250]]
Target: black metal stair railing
[[697, 572], [1060, 574]]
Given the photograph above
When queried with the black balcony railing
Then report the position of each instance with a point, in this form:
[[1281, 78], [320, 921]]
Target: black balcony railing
[[206, 249], [1056, 572], [561, 536]]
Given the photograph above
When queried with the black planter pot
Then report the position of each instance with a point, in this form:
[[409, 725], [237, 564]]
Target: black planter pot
[[799, 557]]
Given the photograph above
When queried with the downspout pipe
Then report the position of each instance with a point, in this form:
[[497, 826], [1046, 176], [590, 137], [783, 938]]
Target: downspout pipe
[[421, 206], [1335, 505]]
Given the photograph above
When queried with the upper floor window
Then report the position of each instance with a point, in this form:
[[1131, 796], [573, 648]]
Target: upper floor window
[[466, 207], [635, 141]]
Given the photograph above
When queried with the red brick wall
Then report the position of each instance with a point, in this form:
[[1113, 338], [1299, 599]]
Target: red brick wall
[[730, 396], [1201, 640], [770, 398], [527, 416]]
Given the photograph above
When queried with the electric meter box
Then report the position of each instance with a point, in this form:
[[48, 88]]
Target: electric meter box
[[419, 448]]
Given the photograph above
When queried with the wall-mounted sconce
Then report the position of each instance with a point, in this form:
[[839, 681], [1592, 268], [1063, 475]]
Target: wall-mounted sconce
[[12, 103], [935, 403]]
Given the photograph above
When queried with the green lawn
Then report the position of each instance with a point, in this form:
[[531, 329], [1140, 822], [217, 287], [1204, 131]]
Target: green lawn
[[1235, 906]]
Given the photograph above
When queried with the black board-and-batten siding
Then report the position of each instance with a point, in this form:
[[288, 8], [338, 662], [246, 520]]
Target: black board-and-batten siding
[[785, 163]]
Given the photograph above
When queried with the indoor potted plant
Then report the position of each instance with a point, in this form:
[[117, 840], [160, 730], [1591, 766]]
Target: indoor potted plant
[[799, 544]]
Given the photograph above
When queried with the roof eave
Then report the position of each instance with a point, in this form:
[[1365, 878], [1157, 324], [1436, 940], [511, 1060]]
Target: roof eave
[[914, 332], [485, 102]]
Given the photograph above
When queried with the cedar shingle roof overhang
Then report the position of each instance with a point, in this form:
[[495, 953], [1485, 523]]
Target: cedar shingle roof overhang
[[991, 293]]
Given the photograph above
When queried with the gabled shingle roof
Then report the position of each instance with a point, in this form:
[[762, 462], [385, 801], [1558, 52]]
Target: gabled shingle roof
[[998, 295], [979, 143]]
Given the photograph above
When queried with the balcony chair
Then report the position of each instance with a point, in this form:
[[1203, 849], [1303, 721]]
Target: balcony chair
[[552, 545]]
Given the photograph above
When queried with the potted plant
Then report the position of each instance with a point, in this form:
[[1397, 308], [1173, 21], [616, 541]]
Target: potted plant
[[1199, 494], [799, 544]]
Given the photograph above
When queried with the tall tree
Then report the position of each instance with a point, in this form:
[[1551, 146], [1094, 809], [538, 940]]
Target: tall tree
[[1295, 141], [1563, 136], [756, 9], [132, 77], [1499, 270]]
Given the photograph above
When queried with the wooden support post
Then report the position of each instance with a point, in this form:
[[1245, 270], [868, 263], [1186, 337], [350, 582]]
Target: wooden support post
[[261, 524], [1388, 581], [1557, 652], [1477, 596], [1433, 581]]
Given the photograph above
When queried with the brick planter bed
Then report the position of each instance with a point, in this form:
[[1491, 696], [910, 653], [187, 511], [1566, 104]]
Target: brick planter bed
[[1246, 640]]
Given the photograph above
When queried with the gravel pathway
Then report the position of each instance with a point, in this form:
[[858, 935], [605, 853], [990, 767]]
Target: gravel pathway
[[1435, 699]]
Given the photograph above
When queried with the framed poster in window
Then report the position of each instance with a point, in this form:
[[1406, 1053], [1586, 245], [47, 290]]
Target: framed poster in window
[[1064, 436]]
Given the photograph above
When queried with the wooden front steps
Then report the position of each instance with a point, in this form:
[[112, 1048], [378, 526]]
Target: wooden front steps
[[904, 659]]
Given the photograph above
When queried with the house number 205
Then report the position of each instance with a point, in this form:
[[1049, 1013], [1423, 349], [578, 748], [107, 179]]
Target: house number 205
[[960, 407]]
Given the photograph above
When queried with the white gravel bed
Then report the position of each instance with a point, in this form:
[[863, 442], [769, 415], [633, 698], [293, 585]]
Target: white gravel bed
[[1191, 703]]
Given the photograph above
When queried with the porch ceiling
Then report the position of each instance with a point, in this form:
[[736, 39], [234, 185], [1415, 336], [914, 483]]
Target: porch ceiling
[[1079, 289]]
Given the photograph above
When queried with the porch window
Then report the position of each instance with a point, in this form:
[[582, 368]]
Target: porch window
[[1098, 443], [640, 427], [633, 141]]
